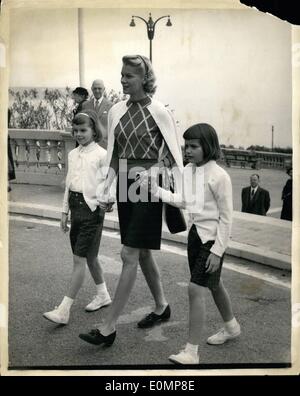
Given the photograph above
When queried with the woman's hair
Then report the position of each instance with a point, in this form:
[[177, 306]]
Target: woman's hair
[[208, 139], [92, 117], [288, 170], [144, 67]]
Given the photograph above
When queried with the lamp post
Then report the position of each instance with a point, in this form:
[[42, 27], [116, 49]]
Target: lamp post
[[150, 24]]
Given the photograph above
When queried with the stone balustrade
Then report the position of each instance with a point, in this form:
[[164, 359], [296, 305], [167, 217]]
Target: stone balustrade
[[256, 159], [274, 160], [40, 156]]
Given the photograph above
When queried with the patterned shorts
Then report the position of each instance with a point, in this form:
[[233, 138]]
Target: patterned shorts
[[198, 253]]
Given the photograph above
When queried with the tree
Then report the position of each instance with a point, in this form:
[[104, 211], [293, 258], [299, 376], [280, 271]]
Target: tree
[[51, 109]]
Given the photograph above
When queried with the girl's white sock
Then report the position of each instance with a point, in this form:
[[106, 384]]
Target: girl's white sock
[[193, 349], [231, 325], [101, 288], [66, 303]]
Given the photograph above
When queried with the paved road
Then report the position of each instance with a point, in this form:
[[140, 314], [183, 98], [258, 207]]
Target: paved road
[[40, 265]]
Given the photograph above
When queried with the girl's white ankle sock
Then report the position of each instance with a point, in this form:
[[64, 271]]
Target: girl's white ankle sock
[[232, 324], [66, 303], [192, 348], [101, 288]]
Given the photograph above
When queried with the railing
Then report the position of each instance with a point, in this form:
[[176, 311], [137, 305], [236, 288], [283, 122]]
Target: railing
[[274, 160], [40, 156], [256, 159]]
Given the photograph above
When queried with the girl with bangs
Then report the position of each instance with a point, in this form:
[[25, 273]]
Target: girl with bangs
[[87, 218], [207, 197]]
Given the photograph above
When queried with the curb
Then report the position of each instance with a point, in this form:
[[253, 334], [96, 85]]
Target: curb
[[236, 249]]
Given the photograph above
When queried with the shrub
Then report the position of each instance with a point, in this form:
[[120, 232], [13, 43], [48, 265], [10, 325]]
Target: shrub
[[45, 108]]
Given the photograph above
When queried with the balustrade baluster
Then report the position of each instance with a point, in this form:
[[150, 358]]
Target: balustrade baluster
[[38, 153], [59, 155], [16, 153], [48, 153], [27, 152]]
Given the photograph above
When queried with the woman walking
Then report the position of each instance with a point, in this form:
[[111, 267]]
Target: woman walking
[[141, 135]]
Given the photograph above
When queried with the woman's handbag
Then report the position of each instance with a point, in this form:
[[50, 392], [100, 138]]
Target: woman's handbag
[[174, 216], [174, 219]]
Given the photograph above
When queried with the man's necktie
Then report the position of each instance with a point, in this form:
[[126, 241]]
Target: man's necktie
[[252, 194], [97, 105]]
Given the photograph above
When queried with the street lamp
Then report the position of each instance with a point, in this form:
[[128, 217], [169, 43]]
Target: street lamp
[[150, 27]]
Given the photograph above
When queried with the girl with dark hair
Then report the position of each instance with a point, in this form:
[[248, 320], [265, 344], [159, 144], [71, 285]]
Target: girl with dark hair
[[87, 218], [141, 136], [207, 196]]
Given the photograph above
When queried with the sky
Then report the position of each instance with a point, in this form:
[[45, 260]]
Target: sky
[[229, 68]]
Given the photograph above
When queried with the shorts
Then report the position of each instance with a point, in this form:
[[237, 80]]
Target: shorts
[[198, 253], [86, 226]]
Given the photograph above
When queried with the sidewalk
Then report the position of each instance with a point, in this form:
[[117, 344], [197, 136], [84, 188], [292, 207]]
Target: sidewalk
[[265, 240]]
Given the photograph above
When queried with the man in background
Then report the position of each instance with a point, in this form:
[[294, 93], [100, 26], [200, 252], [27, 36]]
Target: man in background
[[255, 199], [101, 105]]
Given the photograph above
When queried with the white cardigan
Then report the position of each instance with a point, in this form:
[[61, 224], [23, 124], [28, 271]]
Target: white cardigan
[[165, 122]]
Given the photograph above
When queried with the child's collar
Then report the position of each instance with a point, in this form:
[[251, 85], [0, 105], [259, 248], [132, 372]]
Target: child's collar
[[87, 148]]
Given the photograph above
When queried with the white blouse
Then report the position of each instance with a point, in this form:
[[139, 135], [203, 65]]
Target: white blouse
[[85, 164]]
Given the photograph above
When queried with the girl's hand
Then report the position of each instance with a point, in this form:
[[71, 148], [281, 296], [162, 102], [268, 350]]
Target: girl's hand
[[103, 206], [148, 182], [110, 207], [64, 222], [212, 263]]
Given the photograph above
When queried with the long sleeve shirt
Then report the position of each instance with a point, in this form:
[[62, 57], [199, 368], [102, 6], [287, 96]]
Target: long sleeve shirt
[[207, 195], [85, 164]]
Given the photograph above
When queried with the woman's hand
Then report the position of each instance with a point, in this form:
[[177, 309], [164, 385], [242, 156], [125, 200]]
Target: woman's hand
[[212, 263], [64, 222]]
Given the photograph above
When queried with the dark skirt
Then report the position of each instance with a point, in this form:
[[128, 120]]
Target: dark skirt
[[140, 218]]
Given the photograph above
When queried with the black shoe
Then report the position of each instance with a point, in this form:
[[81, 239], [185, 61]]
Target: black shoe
[[96, 338], [151, 319]]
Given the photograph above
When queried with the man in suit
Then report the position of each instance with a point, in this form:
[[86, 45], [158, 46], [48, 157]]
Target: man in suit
[[101, 105], [255, 199]]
